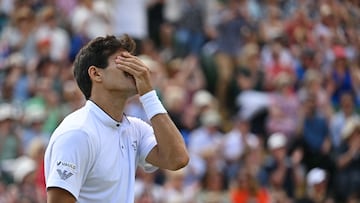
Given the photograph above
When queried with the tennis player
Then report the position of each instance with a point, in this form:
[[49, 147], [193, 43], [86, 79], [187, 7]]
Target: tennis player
[[94, 153]]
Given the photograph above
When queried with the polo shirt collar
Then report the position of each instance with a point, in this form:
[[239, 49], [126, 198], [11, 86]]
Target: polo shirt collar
[[103, 116]]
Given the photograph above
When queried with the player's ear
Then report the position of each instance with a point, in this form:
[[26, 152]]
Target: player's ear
[[94, 73]]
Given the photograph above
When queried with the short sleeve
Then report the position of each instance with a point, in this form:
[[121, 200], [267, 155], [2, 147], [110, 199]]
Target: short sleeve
[[67, 161], [147, 143]]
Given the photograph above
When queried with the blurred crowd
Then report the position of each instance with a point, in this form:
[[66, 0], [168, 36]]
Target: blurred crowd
[[266, 93]]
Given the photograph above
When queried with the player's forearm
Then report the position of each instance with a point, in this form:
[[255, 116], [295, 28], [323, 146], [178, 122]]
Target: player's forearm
[[171, 146], [170, 152]]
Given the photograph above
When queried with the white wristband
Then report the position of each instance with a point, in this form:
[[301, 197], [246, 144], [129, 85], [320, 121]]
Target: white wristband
[[152, 104]]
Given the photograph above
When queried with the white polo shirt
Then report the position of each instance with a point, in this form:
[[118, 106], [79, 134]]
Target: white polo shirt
[[95, 158]]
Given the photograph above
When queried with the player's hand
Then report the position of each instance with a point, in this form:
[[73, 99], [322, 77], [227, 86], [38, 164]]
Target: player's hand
[[137, 69]]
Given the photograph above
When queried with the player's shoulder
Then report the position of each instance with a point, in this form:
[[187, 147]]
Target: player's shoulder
[[78, 118], [73, 124]]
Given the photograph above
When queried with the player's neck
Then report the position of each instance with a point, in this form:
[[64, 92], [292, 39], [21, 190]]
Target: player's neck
[[113, 106]]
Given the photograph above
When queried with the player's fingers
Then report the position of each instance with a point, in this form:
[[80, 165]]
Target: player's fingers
[[132, 62], [127, 67], [132, 58], [133, 68]]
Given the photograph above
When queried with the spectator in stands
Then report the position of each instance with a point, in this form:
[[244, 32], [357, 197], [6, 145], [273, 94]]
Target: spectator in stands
[[19, 34], [189, 117], [347, 180], [355, 73], [340, 78], [145, 185], [213, 187], [231, 23], [50, 33], [36, 152], [314, 136], [316, 187], [297, 29], [252, 104], [249, 76], [11, 144], [284, 174], [205, 145], [339, 118], [135, 25], [24, 177], [33, 123], [251, 64], [247, 189], [283, 110], [17, 83], [176, 189], [189, 34], [272, 26], [277, 60], [91, 19], [312, 84], [72, 98], [237, 142]]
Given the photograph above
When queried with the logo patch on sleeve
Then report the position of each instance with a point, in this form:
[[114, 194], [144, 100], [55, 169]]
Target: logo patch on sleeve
[[64, 174], [65, 169], [63, 164]]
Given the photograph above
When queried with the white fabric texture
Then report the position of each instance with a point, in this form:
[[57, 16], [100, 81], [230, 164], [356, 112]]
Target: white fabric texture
[[95, 158]]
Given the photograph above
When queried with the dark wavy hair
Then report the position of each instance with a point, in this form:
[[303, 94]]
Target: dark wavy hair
[[96, 53]]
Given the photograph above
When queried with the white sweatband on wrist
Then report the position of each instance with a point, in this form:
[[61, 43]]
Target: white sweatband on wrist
[[152, 105]]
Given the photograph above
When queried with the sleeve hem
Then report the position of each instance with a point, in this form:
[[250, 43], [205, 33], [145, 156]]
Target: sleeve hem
[[148, 167], [63, 185]]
